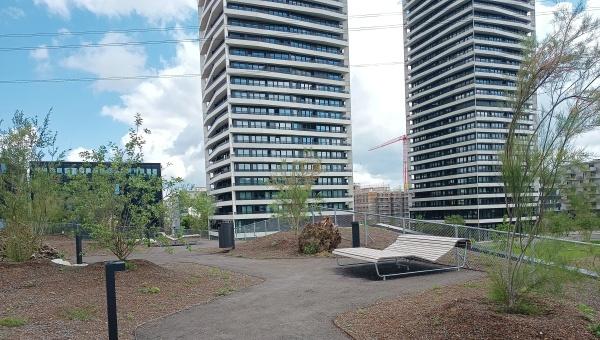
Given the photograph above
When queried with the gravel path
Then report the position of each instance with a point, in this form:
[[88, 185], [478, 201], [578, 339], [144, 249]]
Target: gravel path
[[298, 300]]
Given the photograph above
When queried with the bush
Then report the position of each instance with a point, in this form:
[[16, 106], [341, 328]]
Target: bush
[[310, 249], [319, 237]]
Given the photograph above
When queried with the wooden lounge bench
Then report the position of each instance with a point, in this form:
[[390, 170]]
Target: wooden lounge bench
[[406, 248]]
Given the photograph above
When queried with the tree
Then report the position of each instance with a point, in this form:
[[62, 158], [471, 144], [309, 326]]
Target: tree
[[199, 206], [115, 201], [563, 69], [454, 219], [29, 195], [584, 219], [294, 191]]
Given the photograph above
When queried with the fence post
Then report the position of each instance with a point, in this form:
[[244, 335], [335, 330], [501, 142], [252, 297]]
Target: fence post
[[366, 230], [265, 227], [313, 215], [78, 250], [403, 225], [111, 297], [335, 216], [278, 224], [254, 224]]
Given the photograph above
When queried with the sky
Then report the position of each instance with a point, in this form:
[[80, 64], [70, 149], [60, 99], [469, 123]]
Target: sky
[[42, 39]]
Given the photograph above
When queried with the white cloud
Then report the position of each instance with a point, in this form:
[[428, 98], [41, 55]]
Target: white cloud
[[590, 141], [154, 10], [364, 177], [40, 54], [171, 109], [12, 12], [74, 154], [110, 61], [378, 105]]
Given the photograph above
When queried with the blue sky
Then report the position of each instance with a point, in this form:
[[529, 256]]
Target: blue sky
[[87, 114], [76, 106]]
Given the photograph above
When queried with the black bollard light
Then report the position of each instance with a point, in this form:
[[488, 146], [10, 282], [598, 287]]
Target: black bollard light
[[111, 296], [78, 249], [355, 235]]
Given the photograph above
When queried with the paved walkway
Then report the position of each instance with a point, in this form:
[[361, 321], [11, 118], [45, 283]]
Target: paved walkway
[[298, 300]]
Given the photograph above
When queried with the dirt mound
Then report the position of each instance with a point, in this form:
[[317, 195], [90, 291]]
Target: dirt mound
[[279, 245], [461, 312], [285, 244]]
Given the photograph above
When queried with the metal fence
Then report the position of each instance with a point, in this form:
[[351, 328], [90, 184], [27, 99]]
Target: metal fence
[[487, 246]]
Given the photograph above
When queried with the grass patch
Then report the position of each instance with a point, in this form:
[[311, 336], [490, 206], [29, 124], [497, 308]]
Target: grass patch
[[525, 306], [587, 311], [12, 322], [130, 265], [595, 329], [224, 291], [563, 253], [80, 313], [149, 290], [216, 272]]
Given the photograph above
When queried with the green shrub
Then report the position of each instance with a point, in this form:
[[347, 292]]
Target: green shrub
[[149, 290], [310, 249], [130, 265], [225, 291], [12, 322], [80, 313], [595, 329], [319, 237]]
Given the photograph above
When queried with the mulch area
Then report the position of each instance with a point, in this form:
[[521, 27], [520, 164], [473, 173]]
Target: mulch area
[[285, 244], [60, 302], [462, 312]]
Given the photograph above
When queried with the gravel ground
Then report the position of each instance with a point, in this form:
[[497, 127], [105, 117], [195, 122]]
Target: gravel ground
[[69, 303], [461, 312], [285, 244]]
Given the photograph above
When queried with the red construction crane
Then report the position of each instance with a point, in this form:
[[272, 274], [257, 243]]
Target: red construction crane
[[404, 140]]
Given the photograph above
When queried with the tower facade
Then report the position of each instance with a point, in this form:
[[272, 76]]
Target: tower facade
[[275, 87], [461, 59]]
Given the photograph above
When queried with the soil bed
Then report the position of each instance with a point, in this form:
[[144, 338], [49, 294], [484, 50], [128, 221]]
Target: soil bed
[[462, 312], [285, 244], [70, 303]]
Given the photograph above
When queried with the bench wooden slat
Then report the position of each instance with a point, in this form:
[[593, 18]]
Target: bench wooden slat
[[430, 248]]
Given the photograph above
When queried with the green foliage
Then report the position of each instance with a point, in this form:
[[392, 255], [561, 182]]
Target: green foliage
[[294, 196], [563, 67], [12, 322], [113, 199], [149, 290], [454, 219], [29, 195], [595, 329], [310, 248], [224, 291], [199, 207], [587, 311], [130, 265], [80, 313]]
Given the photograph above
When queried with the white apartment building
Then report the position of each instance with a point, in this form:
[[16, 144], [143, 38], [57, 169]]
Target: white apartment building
[[461, 60], [275, 87]]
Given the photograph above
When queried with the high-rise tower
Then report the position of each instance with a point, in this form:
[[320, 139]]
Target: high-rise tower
[[462, 58], [275, 86]]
